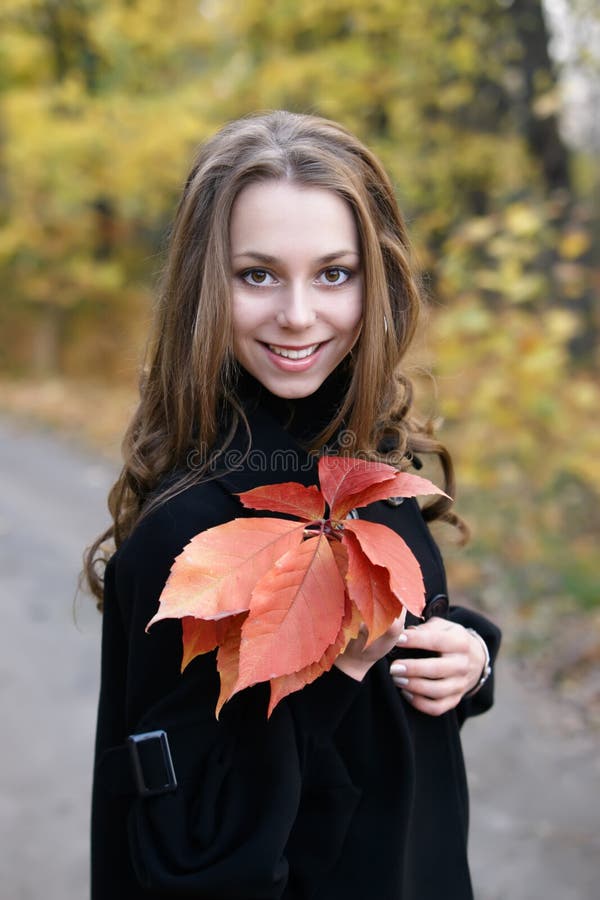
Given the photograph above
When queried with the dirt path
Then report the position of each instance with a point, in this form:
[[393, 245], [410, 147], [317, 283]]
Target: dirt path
[[535, 822], [535, 798]]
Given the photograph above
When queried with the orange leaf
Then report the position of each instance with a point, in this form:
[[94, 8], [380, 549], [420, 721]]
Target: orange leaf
[[295, 614], [402, 485], [228, 658], [199, 636], [281, 599], [369, 587], [341, 557], [215, 574], [287, 684], [341, 477], [352, 622], [290, 498], [384, 547]]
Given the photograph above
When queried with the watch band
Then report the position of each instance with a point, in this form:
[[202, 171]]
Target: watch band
[[487, 666]]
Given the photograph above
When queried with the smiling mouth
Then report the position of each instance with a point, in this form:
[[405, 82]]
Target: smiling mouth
[[291, 353]]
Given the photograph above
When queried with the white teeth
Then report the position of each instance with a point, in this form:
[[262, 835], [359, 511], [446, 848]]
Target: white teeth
[[294, 354]]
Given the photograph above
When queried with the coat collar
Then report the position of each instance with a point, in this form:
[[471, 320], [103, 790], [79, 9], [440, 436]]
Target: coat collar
[[267, 455]]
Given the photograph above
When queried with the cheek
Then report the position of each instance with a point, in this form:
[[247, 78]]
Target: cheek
[[243, 319], [351, 320]]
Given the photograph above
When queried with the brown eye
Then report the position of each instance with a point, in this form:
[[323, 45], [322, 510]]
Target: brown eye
[[334, 276], [256, 277]]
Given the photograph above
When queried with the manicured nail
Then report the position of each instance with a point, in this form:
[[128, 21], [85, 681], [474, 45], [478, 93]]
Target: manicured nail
[[407, 695], [403, 682], [397, 668]]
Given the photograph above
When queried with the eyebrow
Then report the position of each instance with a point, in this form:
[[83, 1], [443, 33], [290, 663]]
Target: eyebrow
[[271, 260]]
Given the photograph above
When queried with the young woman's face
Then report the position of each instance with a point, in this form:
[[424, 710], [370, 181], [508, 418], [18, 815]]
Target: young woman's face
[[297, 284]]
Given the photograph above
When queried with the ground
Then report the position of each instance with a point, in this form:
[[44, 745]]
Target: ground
[[533, 763]]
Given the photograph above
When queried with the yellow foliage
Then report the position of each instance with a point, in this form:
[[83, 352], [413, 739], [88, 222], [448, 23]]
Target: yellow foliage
[[574, 244], [522, 220]]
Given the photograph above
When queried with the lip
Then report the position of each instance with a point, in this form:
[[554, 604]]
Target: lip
[[292, 346], [294, 365]]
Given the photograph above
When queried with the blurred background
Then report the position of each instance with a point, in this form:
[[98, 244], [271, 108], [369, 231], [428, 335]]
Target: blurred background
[[486, 114]]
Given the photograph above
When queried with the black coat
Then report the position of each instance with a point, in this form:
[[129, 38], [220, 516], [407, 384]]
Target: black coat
[[346, 792]]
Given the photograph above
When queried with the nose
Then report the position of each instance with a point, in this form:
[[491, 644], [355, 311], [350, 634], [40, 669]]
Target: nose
[[297, 310]]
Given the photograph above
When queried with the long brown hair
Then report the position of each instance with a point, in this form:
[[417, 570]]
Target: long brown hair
[[189, 373]]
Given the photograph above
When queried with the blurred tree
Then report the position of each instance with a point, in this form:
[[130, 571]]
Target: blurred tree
[[87, 89], [538, 105]]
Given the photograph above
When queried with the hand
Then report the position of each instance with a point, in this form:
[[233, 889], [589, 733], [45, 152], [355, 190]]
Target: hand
[[436, 684], [356, 660]]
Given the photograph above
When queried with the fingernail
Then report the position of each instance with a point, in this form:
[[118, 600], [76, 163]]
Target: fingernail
[[403, 682], [397, 668], [402, 638], [407, 695]]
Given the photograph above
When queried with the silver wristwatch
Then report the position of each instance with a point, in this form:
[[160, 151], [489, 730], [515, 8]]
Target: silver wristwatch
[[487, 666]]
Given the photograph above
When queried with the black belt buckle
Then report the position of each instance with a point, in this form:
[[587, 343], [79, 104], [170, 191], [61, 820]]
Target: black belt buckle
[[164, 774]]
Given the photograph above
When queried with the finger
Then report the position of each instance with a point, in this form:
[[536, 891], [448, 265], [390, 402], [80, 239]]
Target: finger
[[431, 707], [397, 626], [432, 690], [432, 667], [437, 635], [447, 666], [356, 645], [390, 637]]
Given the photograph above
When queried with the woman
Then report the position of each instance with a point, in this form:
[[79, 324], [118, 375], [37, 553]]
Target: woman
[[287, 306]]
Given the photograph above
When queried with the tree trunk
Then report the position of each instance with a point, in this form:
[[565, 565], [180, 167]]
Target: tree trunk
[[541, 131]]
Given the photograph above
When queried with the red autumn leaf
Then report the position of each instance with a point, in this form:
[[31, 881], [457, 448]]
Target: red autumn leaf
[[369, 587], [280, 599], [228, 658], [289, 498], [215, 574], [199, 636], [295, 614], [341, 557], [287, 684], [383, 547], [401, 485], [341, 477]]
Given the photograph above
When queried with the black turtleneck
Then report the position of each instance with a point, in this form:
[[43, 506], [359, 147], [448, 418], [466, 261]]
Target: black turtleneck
[[304, 418]]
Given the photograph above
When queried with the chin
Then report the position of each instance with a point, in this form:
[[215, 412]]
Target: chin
[[292, 391]]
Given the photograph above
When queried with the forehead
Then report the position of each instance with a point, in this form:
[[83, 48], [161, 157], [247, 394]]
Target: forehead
[[280, 217]]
